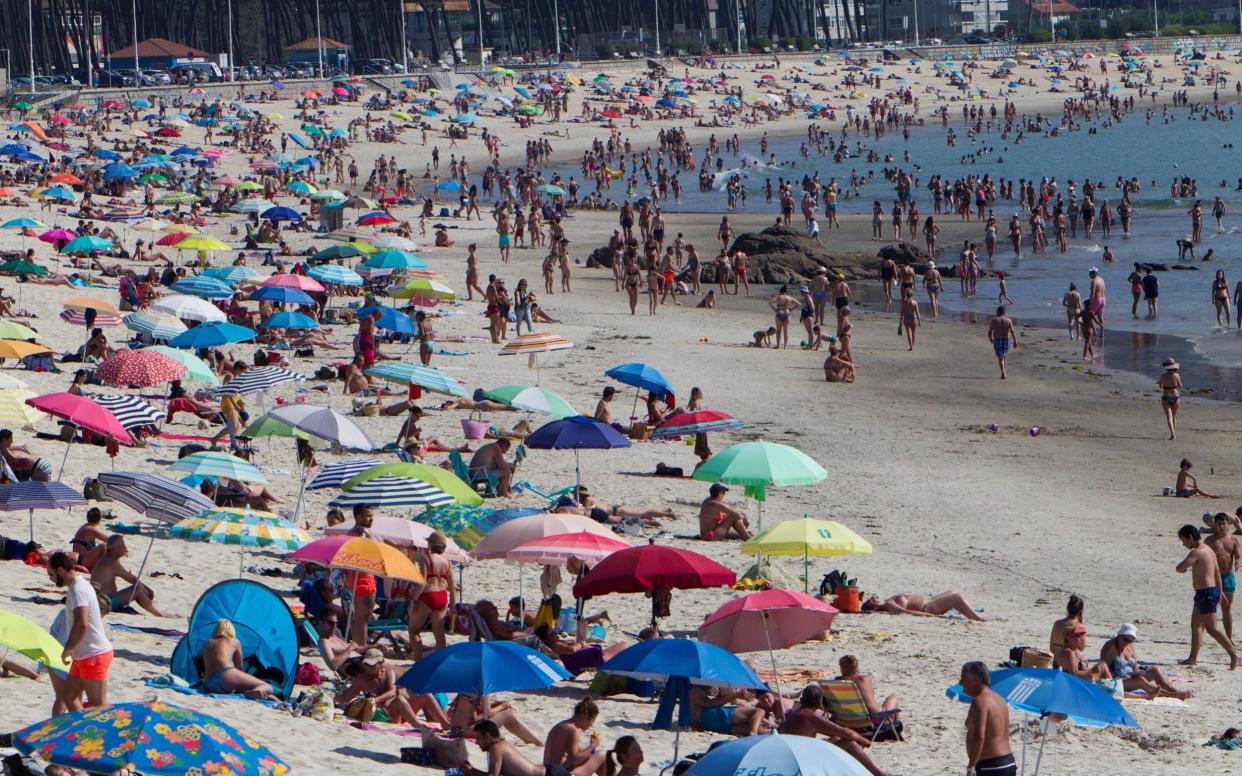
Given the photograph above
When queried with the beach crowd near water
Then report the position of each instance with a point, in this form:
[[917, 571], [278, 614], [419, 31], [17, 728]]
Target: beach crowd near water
[[281, 318]]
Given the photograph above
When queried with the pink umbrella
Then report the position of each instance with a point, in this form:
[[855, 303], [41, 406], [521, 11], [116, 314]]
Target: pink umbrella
[[403, 533], [59, 119], [340, 91], [300, 282], [515, 533], [772, 619], [57, 235], [172, 238], [142, 368], [78, 318], [81, 412], [554, 550]]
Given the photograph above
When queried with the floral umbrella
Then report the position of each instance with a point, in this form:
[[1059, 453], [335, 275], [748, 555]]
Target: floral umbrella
[[152, 738]]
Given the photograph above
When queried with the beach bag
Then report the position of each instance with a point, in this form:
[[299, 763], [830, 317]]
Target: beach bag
[[545, 615], [308, 675], [1033, 657], [472, 427], [361, 709]]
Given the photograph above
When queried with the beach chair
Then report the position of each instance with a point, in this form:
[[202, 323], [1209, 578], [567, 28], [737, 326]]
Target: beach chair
[[489, 480], [551, 497], [845, 703]]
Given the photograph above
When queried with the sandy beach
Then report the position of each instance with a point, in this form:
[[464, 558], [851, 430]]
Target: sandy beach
[[929, 456]]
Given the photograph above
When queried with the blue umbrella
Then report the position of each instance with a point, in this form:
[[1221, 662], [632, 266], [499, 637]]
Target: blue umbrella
[[27, 156], [283, 295], [209, 335], [59, 192], [103, 153], [335, 274], [204, 287], [576, 433], [1044, 691], [481, 668], [230, 275], [119, 170], [299, 140], [281, 213], [682, 662], [185, 151], [777, 754], [449, 186], [642, 376], [522, 92], [465, 118], [289, 321], [394, 259], [141, 103], [390, 318]]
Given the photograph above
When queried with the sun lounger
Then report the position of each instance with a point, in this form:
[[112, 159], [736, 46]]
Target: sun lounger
[[846, 705]]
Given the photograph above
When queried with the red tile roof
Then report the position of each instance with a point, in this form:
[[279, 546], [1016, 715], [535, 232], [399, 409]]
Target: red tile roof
[[312, 44], [159, 47]]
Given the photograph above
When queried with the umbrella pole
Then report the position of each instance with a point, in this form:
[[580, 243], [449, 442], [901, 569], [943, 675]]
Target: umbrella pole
[[806, 573], [32, 525], [141, 567], [65, 457], [767, 636], [577, 474], [634, 409], [297, 510], [1042, 740]]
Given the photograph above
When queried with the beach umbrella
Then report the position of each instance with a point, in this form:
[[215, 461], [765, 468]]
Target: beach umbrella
[[532, 399], [323, 423], [212, 334], [643, 377], [23, 267], [358, 553], [78, 318], [300, 282], [152, 738], [57, 235], [217, 465], [532, 345], [681, 663], [282, 295], [426, 377], [87, 244], [555, 550], [201, 242], [403, 533], [334, 475], [576, 433], [392, 241], [258, 380], [21, 349], [549, 188], [251, 205], [22, 222], [777, 754], [143, 368], [697, 422], [651, 567], [391, 319], [299, 187], [59, 193], [131, 411], [195, 368], [463, 523], [325, 195], [523, 530], [154, 495], [391, 491], [172, 238], [289, 320], [202, 286], [177, 198], [31, 495], [377, 218], [758, 466], [437, 476], [188, 308], [281, 214], [394, 259], [241, 528], [334, 274], [343, 251], [24, 637], [1042, 692], [483, 668], [83, 413], [13, 408], [424, 292]]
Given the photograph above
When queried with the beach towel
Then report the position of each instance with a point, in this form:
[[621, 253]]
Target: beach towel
[[177, 684]]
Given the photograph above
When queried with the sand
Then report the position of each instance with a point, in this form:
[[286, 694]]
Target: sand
[[1015, 522]]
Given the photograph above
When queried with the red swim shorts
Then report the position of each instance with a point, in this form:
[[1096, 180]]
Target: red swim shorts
[[93, 668]]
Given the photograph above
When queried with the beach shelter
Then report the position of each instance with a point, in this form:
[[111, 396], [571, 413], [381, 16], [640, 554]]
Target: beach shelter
[[264, 625], [807, 537], [759, 465]]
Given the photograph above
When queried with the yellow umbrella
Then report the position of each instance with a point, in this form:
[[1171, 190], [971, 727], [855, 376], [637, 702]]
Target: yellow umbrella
[[397, 114], [14, 411], [183, 228], [20, 349], [21, 635], [807, 537], [424, 288], [204, 242], [273, 116]]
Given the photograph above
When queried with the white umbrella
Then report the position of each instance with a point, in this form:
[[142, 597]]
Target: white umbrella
[[189, 308], [324, 423]]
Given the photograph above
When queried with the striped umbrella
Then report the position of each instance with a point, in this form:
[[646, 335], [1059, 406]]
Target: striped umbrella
[[139, 367], [230, 275], [13, 408], [203, 287], [155, 326], [219, 465], [188, 308], [430, 378], [534, 344], [89, 303], [241, 528], [78, 318], [532, 398], [334, 475], [155, 496], [32, 495], [263, 378], [390, 491], [130, 410], [335, 274], [392, 242]]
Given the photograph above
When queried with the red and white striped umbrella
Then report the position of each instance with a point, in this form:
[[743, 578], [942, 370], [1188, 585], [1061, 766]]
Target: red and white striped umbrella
[[143, 368], [78, 318], [554, 550]]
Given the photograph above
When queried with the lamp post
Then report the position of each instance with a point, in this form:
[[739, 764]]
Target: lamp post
[[556, 23], [480, 2], [318, 39], [30, 10], [133, 9], [230, 78], [657, 25]]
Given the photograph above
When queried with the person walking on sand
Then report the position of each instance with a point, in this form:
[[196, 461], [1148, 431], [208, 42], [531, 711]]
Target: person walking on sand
[[1004, 338], [783, 305], [911, 318], [725, 233], [987, 725], [1228, 549], [1170, 384], [1220, 297], [1207, 582], [933, 284], [1136, 289], [1072, 302], [1002, 296]]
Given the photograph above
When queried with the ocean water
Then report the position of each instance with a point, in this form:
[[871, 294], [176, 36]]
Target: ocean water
[[1155, 152]]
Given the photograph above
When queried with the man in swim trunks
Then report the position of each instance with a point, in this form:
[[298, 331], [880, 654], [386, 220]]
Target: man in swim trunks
[[1229, 559], [819, 293], [1003, 336], [109, 568], [491, 458], [503, 759], [987, 726], [1207, 582], [718, 711], [718, 521], [1097, 300]]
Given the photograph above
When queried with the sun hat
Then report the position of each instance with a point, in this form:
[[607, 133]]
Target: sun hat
[[372, 657], [1128, 630], [1171, 364]]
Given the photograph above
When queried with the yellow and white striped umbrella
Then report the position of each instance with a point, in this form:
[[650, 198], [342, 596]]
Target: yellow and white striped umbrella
[[14, 411], [241, 527]]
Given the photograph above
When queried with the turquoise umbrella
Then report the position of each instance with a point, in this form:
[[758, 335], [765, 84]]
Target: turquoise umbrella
[[759, 465]]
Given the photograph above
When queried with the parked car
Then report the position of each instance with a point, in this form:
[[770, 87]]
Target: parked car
[[114, 79], [375, 66]]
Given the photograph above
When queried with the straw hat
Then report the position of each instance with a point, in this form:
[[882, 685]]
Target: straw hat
[[1170, 364]]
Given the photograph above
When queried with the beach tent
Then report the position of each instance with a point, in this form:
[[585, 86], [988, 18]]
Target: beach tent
[[264, 625]]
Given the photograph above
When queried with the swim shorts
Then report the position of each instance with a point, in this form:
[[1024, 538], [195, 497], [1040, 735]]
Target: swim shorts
[[1097, 305], [95, 668], [1229, 582], [552, 769], [1207, 599], [1001, 346], [1004, 765], [505, 241], [718, 719]]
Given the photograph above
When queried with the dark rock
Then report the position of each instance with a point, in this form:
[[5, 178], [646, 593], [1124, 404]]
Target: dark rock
[[780, 254], [1142, 266], [905, 253], [600, 257], [1183, 267]]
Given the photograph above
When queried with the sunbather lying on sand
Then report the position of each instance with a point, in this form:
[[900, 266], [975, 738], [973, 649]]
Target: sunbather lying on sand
[[912, 603]]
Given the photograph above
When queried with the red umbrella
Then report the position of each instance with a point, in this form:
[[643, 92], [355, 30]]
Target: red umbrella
[[172, 238], [167, 132], [653, 567], [142, 368]]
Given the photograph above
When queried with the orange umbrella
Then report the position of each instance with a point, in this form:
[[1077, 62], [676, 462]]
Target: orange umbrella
[[7, 193], [36, 129], [358, 553], [67, 177], [89, 302], [20, 349]]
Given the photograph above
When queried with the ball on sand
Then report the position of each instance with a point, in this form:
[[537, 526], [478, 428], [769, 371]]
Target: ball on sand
[[994, 427], [1035, 431]]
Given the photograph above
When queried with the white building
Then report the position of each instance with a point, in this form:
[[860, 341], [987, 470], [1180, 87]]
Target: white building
[[911, 20]]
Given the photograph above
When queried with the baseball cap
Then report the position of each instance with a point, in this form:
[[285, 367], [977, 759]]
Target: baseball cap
[[716, 489], [372, 657]]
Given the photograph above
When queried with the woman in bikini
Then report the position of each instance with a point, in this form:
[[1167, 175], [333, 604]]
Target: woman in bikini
[[438, 600], [1170, 384], [426, 337], [783, 305], [632, 278], [922, 606], [911, 318], [1220, 297]]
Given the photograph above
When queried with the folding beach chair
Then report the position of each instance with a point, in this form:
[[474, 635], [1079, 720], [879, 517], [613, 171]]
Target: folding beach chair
[[846, 705]]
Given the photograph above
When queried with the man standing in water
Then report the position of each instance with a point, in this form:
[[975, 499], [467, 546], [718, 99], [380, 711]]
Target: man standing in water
[[1003, 337], [1206, 579], [1097, 300], [987, 726]]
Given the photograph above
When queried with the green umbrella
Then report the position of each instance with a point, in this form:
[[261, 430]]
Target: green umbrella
[[23, 106], [195, 368], [550, 188], [758, 466], [177, 198], [340, 251], [15, 330], [443, 479], [22, 267], [152, 177], [532, 398], [267, 426]]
